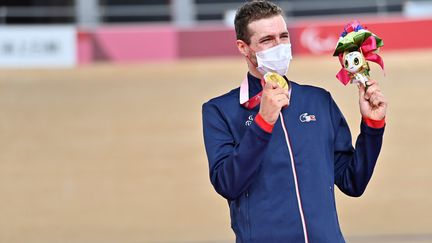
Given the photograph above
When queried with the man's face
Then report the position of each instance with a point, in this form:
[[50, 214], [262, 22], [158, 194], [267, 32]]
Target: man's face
[[267, 33]]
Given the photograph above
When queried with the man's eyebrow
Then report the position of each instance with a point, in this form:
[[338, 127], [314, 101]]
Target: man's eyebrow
[[272, 36], [266, 37]]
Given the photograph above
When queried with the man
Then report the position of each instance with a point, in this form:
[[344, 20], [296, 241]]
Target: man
[[277, 154]]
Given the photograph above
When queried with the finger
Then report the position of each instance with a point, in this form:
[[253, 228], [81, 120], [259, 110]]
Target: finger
[[270, 85], [361, 88], [371, 90], [371, 82], [281, 98], [280, 90], [276, 91], [377, 100], [284, 102]]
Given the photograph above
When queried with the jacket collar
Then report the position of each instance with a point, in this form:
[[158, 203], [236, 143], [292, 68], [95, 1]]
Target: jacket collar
[[250, 87]]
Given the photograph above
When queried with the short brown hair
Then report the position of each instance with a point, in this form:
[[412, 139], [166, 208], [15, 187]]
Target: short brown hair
[[252, 11]]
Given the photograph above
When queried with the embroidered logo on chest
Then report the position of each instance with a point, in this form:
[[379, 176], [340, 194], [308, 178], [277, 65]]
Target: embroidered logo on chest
[[305, 117]]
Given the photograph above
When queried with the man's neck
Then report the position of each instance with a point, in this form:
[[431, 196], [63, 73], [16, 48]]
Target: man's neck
[[254, 72]]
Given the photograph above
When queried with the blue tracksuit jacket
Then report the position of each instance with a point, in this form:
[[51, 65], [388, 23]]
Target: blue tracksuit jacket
[[253, 169]]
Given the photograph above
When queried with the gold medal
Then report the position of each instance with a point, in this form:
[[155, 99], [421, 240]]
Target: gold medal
[[276, 78]]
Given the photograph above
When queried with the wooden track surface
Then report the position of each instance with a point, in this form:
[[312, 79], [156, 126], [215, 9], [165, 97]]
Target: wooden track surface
[[114, 153]]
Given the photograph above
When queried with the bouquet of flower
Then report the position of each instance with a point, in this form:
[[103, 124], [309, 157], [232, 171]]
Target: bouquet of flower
[[355, 47]]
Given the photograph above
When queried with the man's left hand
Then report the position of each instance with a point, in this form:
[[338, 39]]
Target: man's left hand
[[373, 104]]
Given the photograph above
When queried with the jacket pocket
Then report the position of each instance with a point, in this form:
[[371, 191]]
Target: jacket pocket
[[240, 221]]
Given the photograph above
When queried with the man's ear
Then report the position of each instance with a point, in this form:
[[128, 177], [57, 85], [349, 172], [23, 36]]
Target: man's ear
[[242, 47]]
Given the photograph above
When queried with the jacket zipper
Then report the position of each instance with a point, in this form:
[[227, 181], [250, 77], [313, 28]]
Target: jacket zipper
[[299, 203]]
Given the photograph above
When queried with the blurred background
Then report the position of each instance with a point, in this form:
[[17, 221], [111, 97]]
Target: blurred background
[[100, 116]]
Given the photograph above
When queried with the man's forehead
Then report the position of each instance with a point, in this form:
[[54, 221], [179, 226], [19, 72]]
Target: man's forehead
[[268, 26]]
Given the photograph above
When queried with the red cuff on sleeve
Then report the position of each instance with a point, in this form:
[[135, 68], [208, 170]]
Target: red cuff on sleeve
[[374, 123], [263, 124]]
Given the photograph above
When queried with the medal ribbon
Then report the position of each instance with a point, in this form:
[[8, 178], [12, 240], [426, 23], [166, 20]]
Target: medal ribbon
[[244, 95]]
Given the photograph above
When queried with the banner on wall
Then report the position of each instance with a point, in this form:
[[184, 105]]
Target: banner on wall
[[37, 46], [398, 33]]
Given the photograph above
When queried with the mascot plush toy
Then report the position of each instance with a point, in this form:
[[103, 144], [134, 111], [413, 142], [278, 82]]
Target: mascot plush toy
[[355, 47]]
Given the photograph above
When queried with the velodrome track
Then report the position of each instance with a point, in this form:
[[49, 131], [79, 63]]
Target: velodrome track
[[114, 153]]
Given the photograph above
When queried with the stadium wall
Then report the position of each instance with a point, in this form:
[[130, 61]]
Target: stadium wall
[[315, 37]]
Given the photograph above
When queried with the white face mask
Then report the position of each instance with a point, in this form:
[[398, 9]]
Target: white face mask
[[275, 59]]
